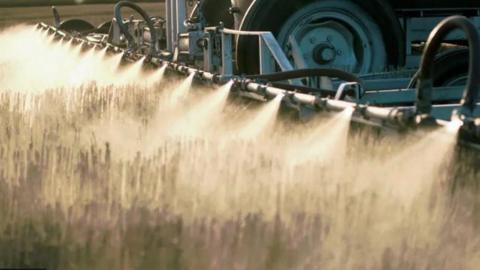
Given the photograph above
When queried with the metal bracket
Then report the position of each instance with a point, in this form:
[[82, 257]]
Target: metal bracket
[[227, 58], [347, 88], [176, 11]]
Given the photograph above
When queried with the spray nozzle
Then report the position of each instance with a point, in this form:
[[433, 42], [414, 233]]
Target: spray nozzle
[[321, 103], [469, 131], [425, 121], [289, 99], [468, 125]]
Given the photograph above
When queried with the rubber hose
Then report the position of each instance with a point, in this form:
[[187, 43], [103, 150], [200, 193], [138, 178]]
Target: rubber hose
[[425, 77], [124, 28], [311, 72], [304, 89]]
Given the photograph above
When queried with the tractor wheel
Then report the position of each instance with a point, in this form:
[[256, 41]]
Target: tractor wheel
[[451, 68], [218, 11], [358, 36], [241, 7], [104, 27], [76, 25]]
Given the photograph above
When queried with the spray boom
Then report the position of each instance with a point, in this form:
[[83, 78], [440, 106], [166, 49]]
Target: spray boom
[[207, 54]]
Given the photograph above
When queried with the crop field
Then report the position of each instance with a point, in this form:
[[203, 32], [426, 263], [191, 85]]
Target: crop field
[[109, 166]]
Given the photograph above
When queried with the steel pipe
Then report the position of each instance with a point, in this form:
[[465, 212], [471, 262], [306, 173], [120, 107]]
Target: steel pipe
[[249, 85]]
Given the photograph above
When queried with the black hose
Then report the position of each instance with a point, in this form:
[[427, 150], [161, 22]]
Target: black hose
[[274, 79], [124, 28], [305, 89], [302, 73], [425, 74]]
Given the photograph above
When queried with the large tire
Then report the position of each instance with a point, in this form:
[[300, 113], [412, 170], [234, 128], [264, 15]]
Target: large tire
[[376, 16], [242, 7], [76, 25], [451, 68], [216, 11], [104, 28]]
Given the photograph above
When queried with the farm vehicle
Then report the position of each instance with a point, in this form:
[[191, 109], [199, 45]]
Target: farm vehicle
[[397, 64]]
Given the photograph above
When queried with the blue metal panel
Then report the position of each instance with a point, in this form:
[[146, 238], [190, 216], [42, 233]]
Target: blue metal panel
[[398, 96]]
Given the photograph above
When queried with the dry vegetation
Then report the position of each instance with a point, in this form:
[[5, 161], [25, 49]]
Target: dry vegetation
[[116, 177]]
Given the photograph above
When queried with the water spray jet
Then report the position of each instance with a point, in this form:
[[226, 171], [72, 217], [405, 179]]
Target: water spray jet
[[182, 90], [157, 75], [132, 73], [199, 118], [326, 143], [264, 120]]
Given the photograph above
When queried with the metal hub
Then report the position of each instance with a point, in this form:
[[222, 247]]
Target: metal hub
[[328, 44], [324, 54], [324, 35]]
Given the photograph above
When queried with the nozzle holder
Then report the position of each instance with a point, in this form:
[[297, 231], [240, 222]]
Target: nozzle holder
[[425, 77], [470, 131], [290, 100]]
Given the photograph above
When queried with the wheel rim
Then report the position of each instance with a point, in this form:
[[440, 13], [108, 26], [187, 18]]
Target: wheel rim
[[338, 37], [460, 80]]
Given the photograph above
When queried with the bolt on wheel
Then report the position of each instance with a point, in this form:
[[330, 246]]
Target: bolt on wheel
[[333, 34], [359, 36]]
